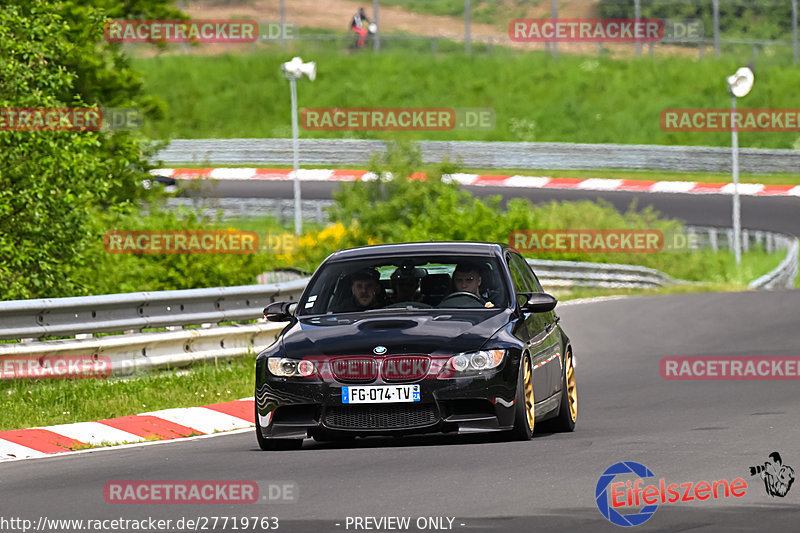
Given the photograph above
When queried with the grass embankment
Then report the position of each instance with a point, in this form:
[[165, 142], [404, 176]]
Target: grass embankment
[[535, 98], [29, 403]]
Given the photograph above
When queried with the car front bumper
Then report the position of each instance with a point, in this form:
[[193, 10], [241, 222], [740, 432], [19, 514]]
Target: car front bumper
[[299, 407]]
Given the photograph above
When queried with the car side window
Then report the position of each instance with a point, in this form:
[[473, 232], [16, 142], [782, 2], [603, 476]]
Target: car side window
[[527, 273]]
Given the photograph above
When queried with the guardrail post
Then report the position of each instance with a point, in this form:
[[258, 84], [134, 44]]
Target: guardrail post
[[745, 240]]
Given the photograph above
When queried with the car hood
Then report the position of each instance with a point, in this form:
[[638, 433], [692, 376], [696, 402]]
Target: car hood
[[436, 334]]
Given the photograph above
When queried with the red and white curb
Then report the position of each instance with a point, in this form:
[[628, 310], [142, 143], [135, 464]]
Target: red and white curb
[[488, 180], [157, 425]]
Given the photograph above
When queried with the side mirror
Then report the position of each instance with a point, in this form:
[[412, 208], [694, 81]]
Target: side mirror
[[539, 302], [279, 311]]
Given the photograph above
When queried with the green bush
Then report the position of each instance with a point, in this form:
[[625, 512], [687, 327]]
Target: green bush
[[406, 210]]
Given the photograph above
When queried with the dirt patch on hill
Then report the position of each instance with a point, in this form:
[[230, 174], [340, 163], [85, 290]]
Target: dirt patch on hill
[[335, 15]]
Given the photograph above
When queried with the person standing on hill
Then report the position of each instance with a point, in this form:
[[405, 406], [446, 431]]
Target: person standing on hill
[[359, 25]]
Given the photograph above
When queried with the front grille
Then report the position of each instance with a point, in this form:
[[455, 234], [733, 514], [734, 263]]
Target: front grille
[[381, 416], [405, 368], [354, 369]]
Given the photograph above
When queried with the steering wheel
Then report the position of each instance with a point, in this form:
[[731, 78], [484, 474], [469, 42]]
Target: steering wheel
[[461, 293]]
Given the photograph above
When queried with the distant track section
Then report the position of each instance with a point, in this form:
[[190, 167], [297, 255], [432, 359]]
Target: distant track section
[[487, 180]]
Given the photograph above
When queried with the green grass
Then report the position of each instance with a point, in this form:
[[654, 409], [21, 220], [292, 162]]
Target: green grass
[[29, 403], [535, 98]]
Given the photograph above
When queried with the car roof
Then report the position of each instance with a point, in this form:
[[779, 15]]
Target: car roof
[[485, 249]]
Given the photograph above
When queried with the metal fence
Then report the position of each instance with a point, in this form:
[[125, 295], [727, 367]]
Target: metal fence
[[282, 210], [479, 154]]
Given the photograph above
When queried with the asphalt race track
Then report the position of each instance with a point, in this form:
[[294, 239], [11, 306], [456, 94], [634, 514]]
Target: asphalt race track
[[778, 213], [684, 431]]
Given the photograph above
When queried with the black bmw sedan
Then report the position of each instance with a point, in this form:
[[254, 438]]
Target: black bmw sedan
[[416, 338]]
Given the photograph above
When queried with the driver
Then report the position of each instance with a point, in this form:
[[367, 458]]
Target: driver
[[467, 278]]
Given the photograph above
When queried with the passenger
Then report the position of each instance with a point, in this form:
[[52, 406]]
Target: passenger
[[366, 289], [405, 283]]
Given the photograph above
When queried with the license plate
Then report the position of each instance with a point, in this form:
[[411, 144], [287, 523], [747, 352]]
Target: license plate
[[381, 394]]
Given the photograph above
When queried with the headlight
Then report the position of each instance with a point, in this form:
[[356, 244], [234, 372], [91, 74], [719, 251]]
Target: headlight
[[283, 367], [475, 361]]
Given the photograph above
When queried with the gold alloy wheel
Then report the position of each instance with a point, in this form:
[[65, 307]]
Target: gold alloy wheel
[[528, 387], [572, 390]]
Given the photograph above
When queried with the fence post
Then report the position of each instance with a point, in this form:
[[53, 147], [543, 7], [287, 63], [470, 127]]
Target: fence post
[[715, 5], [283, 24], [467, 35], [376, 41], [554, 12], [637, 13], [794, 29]]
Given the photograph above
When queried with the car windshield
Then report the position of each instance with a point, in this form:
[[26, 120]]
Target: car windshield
[[409, 282]]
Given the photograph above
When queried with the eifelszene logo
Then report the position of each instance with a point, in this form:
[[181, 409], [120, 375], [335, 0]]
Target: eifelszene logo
[[613, 497], [778, 477]]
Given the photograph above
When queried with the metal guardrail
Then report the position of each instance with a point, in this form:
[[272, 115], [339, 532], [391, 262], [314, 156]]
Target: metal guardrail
[[20, 319], [478, 154], [583, 274], [784, 275]]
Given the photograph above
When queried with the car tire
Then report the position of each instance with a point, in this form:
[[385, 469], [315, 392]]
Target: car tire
[[568, 411], [275, 444], [524, 410]]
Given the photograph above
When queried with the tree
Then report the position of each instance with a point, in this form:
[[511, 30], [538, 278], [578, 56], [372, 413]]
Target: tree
[[52, 54]]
